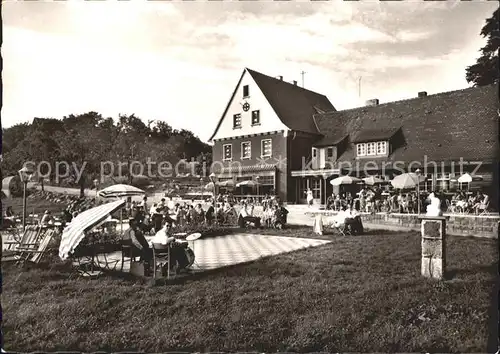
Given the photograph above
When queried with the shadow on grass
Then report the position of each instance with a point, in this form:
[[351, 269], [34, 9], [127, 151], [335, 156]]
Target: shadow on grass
[[493, 344], [459, 273]]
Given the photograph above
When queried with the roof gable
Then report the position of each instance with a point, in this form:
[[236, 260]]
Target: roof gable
[[227, 106], [294, 105]]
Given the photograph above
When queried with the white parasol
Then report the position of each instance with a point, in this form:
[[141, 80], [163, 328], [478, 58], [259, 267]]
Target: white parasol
[[247, 183], [228, 183], [74, 233], [121, 190], [407, 180], [344, 180], [372, 180], [467, 178]]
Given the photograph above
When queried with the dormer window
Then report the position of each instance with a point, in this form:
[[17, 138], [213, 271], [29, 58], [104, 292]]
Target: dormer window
[[246, 91], [329, 152], [378, 148], [361, 149], [382, 148]]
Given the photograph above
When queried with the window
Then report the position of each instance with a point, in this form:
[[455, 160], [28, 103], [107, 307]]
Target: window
[[227, 152], [266, 180], [314, 152], [266, 148], [237, 121], [361, 149], [255, 117], [329, 152], [246, 150], [316, 188], [370, 149], [381, 148], [246, 91]]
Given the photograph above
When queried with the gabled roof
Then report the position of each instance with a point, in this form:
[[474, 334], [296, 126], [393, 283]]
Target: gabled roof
[[442, 127], [329, 141], [374, 135], [294, 105]]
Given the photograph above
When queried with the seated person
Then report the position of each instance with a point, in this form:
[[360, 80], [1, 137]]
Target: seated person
[[210, 214], [46, 218], [481, 201], [329, 201], [280, 217], [200, 214], [178, 255], [244, 218], [353, 222], [9, 213], [139, 243]]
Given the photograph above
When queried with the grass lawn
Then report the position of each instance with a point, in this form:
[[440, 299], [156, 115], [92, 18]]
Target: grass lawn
[[37, 205], [359, 293]]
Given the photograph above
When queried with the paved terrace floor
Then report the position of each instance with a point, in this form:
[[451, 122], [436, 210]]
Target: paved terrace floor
[[222, 251]]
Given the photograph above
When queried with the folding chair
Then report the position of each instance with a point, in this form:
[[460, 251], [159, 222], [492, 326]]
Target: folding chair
[[36, 255], [342, 228], [25, 238], [130, 255], [482, 209], [29, 241], [161, 256]]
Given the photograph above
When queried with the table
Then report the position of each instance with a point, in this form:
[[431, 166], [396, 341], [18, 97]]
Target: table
[[192, 238]]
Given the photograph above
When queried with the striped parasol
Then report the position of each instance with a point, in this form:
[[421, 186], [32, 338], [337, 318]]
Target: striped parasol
[[74, 233], [344, 180], [120, 191]]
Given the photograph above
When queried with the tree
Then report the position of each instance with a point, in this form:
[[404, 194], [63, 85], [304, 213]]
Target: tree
[[84, 144], [485, 71]]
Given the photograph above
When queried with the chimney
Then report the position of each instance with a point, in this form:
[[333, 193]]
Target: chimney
[[422, 94], [280, 78], [294, 83], [373, 102]]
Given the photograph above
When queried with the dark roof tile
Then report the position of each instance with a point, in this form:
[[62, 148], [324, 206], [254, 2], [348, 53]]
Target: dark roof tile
[[442, 127], [294, 105]]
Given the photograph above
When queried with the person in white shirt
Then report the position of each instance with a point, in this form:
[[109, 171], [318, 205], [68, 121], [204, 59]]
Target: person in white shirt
[[244, 218], [309, 197], [46, 218]]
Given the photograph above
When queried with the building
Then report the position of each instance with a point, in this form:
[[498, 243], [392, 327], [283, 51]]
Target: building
[[443, 135], [267, 125]]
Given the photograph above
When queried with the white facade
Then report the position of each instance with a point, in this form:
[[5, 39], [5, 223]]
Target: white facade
[[256, 100]]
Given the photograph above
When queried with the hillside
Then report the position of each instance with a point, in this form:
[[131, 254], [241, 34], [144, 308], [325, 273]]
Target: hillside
[[76, 150]]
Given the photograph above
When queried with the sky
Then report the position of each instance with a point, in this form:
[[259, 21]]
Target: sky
[[180, 61]]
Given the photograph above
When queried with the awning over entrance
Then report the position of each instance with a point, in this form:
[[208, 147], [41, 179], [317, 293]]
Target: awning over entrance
[[245, 170], [315, 173]]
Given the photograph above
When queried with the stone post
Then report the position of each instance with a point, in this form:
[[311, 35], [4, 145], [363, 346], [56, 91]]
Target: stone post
[[433, 230]]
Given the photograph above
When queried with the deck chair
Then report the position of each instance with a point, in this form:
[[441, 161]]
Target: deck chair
[[26, 237], [35, 255], [28, 242], [341, 228], [482, 209]]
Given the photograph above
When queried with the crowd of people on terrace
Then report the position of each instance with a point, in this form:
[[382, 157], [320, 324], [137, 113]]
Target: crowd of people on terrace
[[221, 209], [373, 200]]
